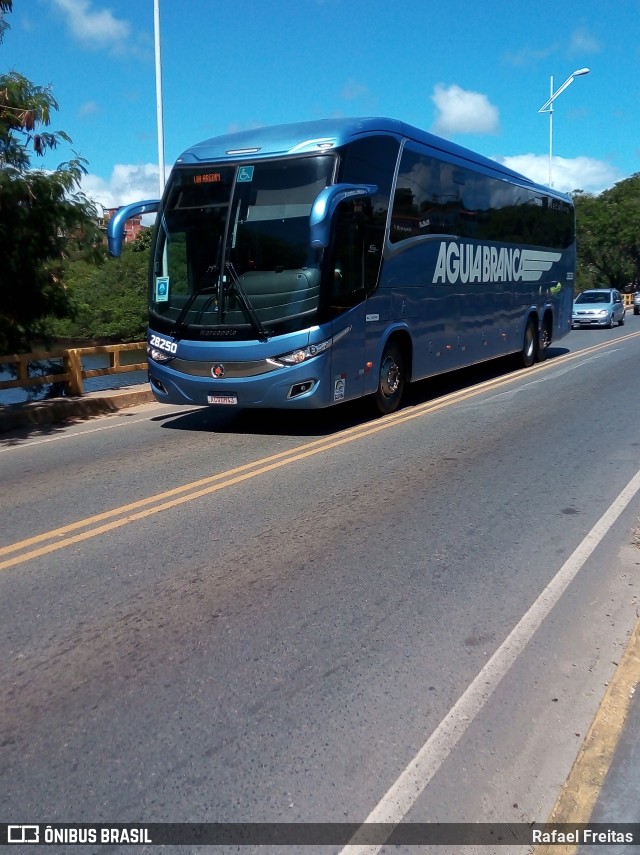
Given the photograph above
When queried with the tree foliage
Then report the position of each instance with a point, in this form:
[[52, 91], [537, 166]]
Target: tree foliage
[[5, 6], [44, 216], [109, 301], [608, 232]]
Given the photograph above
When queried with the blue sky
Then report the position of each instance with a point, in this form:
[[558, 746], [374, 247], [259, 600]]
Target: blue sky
[[473, 72]]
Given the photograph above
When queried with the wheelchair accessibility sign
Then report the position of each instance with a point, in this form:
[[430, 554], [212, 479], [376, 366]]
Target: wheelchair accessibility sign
[[245, 173]]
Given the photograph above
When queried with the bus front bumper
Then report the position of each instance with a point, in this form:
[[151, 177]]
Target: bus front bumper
[[304, 386]]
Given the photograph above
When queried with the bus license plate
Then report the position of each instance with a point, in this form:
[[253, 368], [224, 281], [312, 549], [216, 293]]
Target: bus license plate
[[222, 399]]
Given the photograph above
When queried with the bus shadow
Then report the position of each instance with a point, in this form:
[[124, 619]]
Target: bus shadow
[[318, 423]]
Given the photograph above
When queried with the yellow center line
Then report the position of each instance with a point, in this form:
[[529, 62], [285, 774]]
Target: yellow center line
[[62, 537]]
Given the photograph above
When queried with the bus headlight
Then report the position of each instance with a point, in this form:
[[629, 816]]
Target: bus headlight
[[303, 354], [295, 357], [159, 355]]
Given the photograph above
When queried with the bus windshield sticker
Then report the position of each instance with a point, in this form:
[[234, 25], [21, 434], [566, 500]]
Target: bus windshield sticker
[[245, 173], [162, 289]]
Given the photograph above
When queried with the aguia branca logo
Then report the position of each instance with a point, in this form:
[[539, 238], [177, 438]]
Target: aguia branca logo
[[466, 262]]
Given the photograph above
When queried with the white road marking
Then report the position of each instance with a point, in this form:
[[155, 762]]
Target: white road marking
[[125, 422], [405, 791], [559, 371]]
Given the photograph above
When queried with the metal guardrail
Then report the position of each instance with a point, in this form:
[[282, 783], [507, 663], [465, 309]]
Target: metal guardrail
[[26, 365]]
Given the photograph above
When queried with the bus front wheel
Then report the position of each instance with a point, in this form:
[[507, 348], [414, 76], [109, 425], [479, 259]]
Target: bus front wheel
[[391, 379]]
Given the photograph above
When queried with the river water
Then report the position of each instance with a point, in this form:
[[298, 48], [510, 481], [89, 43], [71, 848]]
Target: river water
[[92, 384]]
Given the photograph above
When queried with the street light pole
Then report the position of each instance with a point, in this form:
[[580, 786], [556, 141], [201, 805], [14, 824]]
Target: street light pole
[[547, 107], [551, 128], [156, 31]]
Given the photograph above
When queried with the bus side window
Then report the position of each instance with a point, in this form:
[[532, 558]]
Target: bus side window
[[371, 160]]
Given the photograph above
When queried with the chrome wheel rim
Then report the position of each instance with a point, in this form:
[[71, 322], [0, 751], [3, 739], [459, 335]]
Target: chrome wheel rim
[[389, 377]]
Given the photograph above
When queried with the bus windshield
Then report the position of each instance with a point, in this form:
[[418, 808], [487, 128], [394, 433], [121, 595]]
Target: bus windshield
[[233, 248]]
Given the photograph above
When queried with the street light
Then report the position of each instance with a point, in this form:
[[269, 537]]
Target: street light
[[547, 107], [156, 30]]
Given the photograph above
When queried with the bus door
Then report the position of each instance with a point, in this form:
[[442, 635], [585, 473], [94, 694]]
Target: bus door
[[347, 355], [353, 270]]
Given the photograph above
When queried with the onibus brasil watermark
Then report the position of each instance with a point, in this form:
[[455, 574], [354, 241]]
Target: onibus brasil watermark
[[319, 834]]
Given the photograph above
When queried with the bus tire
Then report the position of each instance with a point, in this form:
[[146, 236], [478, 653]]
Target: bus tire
[[530, 344], [544, 342], [391, 379]]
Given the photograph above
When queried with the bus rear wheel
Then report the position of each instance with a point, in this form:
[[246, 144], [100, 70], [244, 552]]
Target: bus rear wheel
[[544, 342], [391, 379], [529, 346]]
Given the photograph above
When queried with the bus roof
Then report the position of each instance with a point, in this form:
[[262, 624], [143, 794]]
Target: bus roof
[[326, 134]]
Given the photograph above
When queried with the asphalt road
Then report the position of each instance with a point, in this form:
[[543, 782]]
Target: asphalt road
[[262, 617]]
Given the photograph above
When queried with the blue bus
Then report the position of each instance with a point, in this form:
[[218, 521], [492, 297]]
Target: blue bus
[[303, 265]]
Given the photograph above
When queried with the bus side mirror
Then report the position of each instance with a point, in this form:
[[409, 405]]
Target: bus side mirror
[[115, 226], [324, 207]]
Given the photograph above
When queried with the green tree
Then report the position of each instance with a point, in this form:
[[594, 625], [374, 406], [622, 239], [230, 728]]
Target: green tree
[[608, 233], [110, 301], [44, 216], [5, 6]]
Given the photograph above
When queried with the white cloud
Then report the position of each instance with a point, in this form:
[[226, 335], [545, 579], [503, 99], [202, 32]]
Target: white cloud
[[583, 42], [128, 183], [463, 112], [531, 56], [568, 174], [89, 108], [354, 91], [96, 28]]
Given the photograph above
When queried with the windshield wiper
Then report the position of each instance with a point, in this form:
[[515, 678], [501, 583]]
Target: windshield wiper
[[205, 289], [249, 311]]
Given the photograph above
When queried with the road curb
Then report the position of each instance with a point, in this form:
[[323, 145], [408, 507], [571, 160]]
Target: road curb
[[582, 788], [56, 410]]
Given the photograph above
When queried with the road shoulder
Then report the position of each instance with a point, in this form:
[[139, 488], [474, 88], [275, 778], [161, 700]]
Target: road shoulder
[[56, 410], [601, 770]]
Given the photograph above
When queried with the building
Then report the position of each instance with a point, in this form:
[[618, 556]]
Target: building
[[132, 227]]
